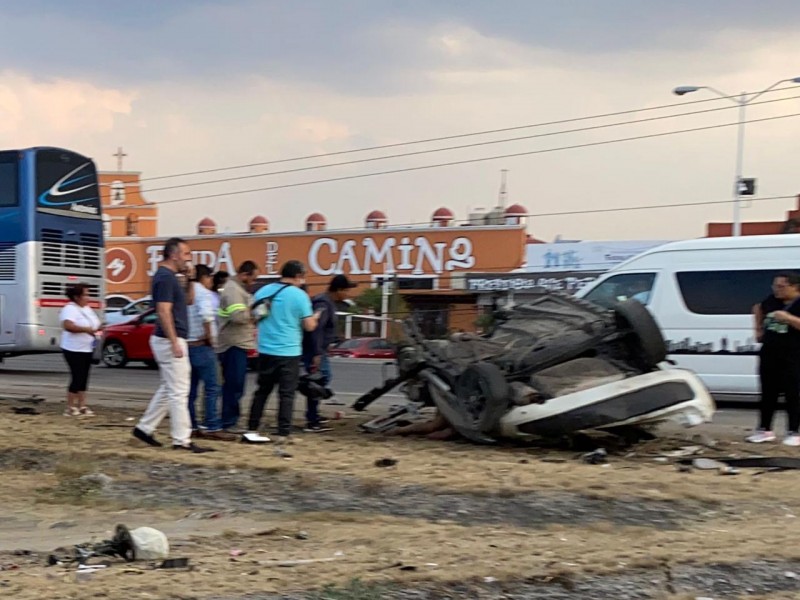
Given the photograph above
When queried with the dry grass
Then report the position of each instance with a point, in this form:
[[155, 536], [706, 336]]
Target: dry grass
[[558, 553]]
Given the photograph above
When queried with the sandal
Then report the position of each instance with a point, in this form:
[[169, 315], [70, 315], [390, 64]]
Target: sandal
[[86, 412], [71, 411]]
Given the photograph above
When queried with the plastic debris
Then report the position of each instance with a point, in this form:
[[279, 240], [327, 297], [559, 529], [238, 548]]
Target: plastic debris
[[149, 544], [596, 457]]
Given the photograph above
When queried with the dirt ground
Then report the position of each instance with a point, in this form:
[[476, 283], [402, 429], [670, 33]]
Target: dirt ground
[[449, 520]]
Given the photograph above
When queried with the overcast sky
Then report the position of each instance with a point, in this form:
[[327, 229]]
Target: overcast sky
[[188, 85]]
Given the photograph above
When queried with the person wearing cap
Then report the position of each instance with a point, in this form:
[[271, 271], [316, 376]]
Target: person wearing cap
[[315, 355]]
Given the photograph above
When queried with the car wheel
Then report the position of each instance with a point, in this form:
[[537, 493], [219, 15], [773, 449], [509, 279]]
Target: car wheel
[[151, 364], [114, 355], [484, 392], [648, 343]]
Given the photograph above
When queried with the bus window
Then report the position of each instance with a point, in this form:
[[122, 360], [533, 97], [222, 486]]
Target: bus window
[[8, 180], [626, 286]]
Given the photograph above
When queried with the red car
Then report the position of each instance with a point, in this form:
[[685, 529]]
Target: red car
[[364, 348], [130, 341]]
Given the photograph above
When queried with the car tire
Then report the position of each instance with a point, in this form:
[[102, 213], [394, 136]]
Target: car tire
[[151, 364], [648, 343], [114, 355], [484, 389]]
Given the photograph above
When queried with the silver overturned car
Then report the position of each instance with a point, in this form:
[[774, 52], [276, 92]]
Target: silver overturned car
[[551, 367]]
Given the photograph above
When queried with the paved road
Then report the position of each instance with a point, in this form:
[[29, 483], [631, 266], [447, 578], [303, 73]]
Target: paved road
[[46, 375], [351, 376]]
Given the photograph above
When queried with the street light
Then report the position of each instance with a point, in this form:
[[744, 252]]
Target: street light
[[742, 100]]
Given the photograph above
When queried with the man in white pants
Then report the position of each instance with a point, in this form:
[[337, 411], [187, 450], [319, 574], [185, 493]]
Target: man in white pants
[[171, 351]]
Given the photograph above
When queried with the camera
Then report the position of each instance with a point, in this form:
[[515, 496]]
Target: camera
[[313, 388]]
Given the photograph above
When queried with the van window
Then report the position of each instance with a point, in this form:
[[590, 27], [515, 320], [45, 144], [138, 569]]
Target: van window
[[725, 292], [626, 286]]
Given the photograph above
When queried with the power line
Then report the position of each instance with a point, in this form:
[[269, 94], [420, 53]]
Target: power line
[[459, 147], [455, 136], [473, 160]]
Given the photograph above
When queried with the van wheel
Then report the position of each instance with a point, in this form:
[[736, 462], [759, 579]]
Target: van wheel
[[645, 337]]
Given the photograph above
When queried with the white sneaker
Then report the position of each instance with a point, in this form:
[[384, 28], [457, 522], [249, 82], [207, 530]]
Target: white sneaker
[[791, 439], [761, 436]]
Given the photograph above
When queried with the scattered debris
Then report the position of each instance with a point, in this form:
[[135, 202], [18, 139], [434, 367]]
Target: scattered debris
[[236, 552], [149, 544], [100, 479], [386, 462], [121, 545], [63, 524], [774, 463], [255, 438], [706, 464], [281, 453], [25, 410], [489, 579], [301, 535], [685, 451], [303, 561], [596, 457], [727, 470], [174, 563]]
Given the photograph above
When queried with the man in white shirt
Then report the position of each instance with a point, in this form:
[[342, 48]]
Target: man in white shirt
[[201, 341]]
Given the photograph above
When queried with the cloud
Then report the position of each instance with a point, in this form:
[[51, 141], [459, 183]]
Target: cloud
[[35, 111]]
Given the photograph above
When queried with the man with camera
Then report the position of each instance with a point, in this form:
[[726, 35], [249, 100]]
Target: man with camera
[[283, 312], [315, 354]]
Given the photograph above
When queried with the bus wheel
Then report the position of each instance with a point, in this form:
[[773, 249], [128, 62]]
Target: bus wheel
[[114, 355]]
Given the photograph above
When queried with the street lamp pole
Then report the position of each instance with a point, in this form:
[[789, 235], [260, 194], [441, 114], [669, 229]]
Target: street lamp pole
[[742, 100], [737, 196]]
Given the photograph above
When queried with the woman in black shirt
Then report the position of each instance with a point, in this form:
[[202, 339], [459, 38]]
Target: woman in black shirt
[[778, 330]]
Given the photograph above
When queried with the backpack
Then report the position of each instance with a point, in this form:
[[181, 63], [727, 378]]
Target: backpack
[[261, 308]]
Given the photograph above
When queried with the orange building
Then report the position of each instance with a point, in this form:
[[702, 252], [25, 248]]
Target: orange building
[[125, 212], [790, 225], [424, 262]]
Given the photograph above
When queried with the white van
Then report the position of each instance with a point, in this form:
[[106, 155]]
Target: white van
[[702, 293]]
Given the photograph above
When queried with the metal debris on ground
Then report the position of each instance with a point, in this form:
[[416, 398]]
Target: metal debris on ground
[[174, 563], [596, 457], [772, 463]]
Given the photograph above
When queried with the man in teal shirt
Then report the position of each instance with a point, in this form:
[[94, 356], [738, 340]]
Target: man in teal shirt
[[280, 338]]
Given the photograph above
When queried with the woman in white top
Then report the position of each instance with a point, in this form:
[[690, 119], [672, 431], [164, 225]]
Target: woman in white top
[[80, 324]]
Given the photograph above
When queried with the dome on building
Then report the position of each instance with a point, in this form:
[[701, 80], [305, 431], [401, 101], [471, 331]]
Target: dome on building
[[206, 227], [443, 213], [376, 220], [516, 210], [442, 217], [316, 222], [376, 215], [259, 224]]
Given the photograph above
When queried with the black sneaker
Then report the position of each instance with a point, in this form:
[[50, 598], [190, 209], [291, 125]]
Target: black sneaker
[[193, 448], [146, 438], [316, 428]]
